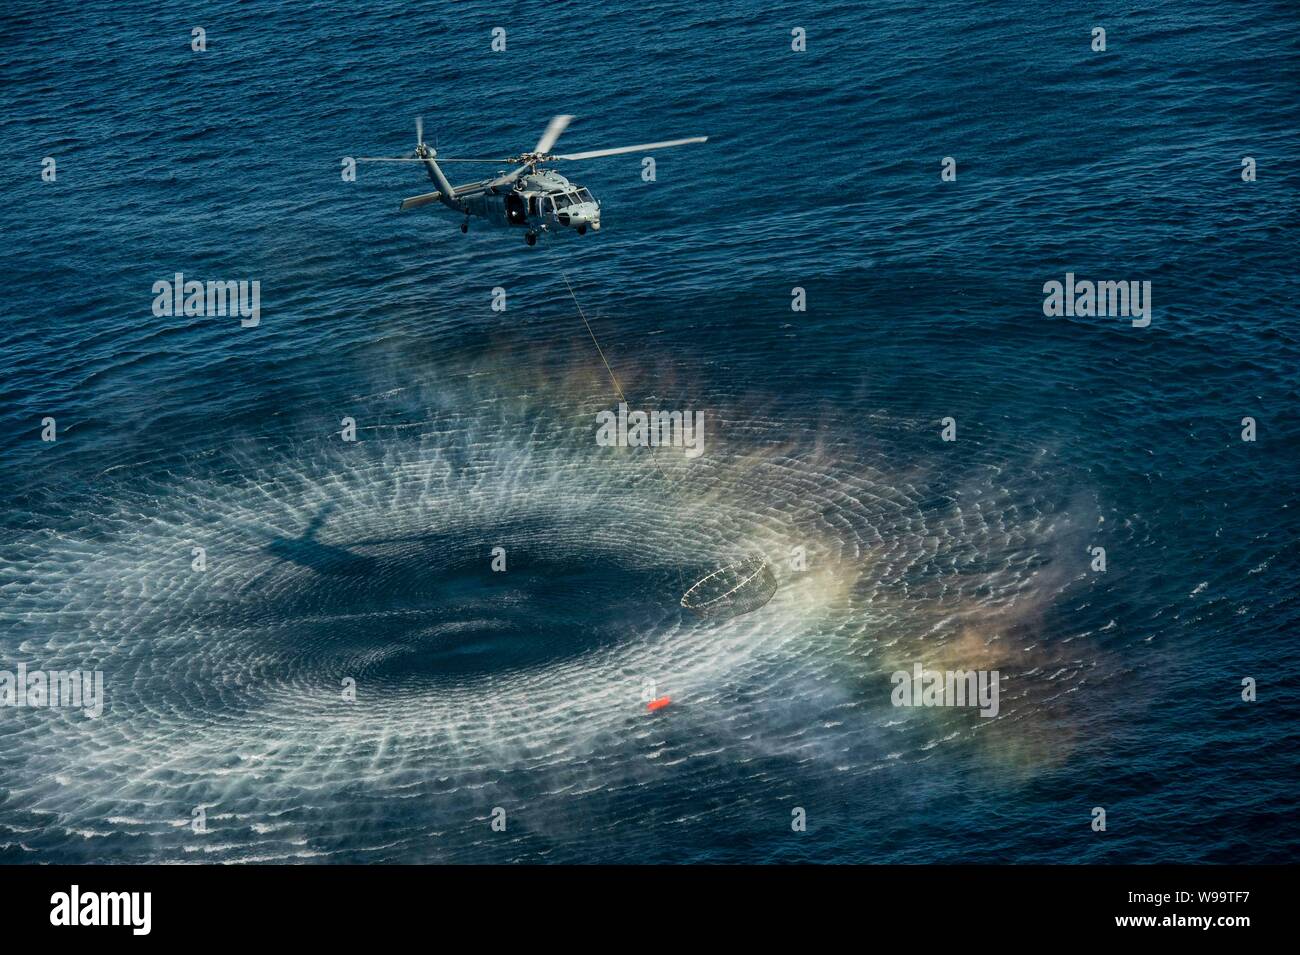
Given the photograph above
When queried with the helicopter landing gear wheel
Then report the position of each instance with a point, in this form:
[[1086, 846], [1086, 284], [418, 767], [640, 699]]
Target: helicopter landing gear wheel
[[582, 230], [531, 238], [464, 226]]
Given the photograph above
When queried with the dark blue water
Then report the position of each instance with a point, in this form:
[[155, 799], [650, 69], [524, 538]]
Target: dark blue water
[[525, 690]]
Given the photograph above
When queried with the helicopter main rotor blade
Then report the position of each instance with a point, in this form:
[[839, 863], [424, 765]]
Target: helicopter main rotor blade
[[554, 128], [641, 147], [494, 162]]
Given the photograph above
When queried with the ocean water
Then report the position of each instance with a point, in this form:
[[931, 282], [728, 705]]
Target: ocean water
[[369, 561]]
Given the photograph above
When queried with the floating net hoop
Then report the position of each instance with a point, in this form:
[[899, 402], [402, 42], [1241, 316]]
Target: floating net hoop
[[732, 590]]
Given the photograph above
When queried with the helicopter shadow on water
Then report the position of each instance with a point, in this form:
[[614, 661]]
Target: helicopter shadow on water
[[428, 605], [307, 552], [407, 563]]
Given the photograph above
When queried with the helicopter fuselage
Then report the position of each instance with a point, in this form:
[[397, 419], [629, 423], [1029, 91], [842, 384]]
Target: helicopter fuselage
[[542, 201]]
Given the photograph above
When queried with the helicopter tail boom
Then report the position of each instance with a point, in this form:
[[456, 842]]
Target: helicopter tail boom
[[446, 191]]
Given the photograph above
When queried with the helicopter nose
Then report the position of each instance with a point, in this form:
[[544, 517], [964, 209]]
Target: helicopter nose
[[586, 214]]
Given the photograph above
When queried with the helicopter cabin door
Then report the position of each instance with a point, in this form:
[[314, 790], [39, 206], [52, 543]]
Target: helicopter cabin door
[[515, 212]]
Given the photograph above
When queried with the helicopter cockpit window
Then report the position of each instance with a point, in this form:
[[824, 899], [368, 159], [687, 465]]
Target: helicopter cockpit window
[[583, 195]]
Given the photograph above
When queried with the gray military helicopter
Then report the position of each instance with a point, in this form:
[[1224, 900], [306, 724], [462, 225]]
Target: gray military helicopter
[[528, 196]]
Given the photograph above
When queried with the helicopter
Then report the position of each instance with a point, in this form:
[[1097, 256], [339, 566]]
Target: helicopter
[[528, 197]]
